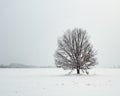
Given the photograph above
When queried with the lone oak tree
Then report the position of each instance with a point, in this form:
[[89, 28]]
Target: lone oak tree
[[75, 51]]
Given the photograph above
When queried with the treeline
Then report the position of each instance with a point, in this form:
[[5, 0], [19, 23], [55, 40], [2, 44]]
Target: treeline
[[16, 65]]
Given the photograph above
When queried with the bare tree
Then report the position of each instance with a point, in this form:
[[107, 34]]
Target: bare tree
[[75, 51]]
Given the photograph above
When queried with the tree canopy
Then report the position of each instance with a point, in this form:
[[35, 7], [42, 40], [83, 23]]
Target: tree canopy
[[75, 51]]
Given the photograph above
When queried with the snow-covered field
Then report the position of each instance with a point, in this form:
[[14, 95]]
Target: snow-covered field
[[57, 82]]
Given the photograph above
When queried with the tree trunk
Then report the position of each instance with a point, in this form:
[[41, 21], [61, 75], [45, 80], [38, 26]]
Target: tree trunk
[[78, 71]]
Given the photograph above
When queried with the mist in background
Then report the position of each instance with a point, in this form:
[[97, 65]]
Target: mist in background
[[29, 29]]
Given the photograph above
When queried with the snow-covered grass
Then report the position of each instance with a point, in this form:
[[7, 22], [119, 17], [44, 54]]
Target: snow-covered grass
[[57, 82]]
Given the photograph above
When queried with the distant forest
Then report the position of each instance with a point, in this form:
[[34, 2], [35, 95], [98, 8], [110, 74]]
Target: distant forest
[[16, 65]]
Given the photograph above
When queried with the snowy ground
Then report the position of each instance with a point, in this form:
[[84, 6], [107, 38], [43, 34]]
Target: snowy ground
[[57, 82]]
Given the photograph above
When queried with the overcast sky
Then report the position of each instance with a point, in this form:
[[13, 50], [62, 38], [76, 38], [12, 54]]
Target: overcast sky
[[29, 29]]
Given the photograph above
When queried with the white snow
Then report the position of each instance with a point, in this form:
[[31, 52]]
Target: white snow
[[57, 82]]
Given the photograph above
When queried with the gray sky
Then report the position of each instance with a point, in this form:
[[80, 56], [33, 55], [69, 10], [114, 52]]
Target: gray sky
[[29, 28]]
